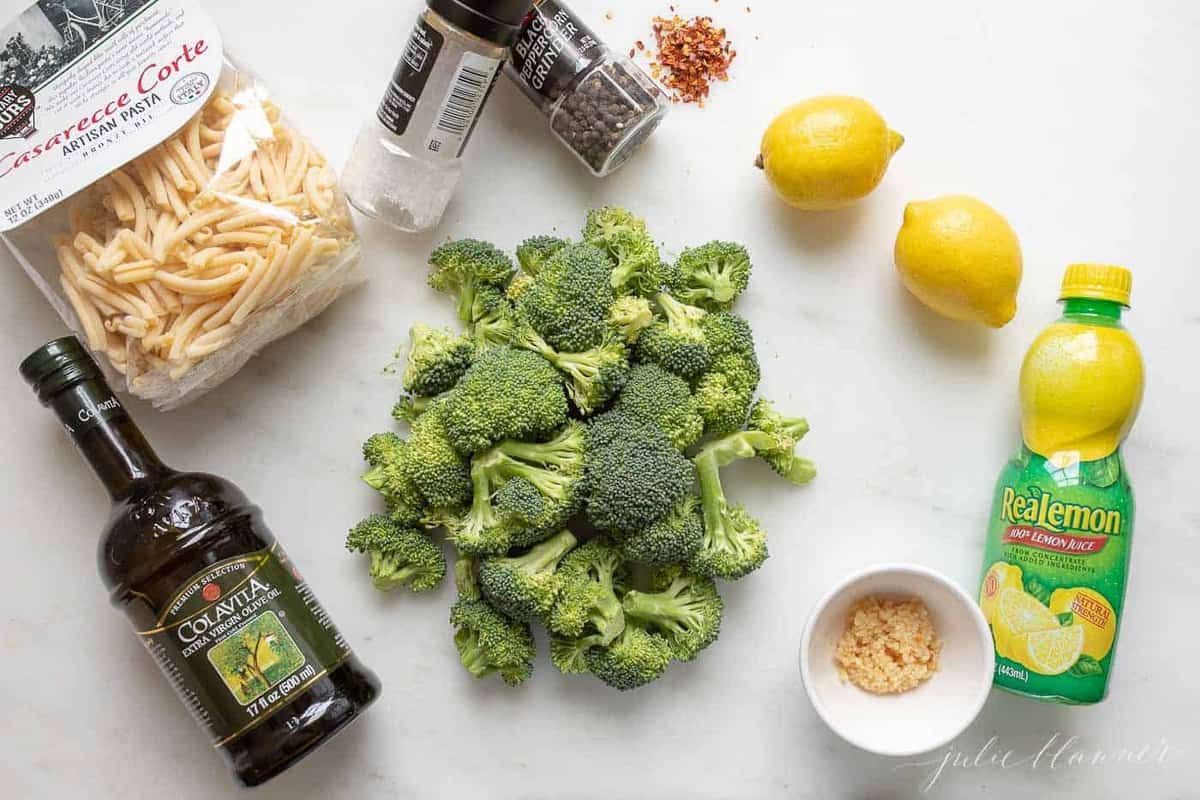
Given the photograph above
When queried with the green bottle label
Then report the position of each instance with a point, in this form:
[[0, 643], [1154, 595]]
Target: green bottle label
[[1055, 564], [242, 637]]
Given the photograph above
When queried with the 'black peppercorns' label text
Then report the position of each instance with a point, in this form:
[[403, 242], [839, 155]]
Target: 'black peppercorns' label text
[[553, 48], [241, 639], [410, 77]]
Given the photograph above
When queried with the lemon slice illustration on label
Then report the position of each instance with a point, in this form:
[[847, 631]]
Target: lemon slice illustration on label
[[1018, 613], [1052, 652], [1000, 576]]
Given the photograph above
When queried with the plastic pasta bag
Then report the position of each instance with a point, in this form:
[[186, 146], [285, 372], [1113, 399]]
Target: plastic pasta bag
[[170, 212]]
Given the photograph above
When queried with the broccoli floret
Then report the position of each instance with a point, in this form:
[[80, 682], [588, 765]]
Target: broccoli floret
[[570, 655], [487, 641], [722, 405], [436, 360], [481, 530], [525, 587], [439, 472], [676, 343], [523, 492], [674, 539], [517, 287], [788, 431], [520, 499], [387, 455], [460, 267], [409, 407], [594, 375], [554, 470], [724, 393], [379, 450], [610, 224], [734, 543], [664, 399], [726, 333], [634, 473], [636, 657], [534, 251], [493, 318], [622, 235], [629, 316], [638, 268], [685, 609], [505, 394], [588, 601], [712, 275], [569, 300], [400, 556]]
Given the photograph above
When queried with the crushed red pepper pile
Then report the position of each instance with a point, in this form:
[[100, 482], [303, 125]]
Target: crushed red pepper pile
[[692, 54]]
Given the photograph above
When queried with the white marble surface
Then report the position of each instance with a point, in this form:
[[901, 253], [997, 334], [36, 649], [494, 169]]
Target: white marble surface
[[1078, 123]]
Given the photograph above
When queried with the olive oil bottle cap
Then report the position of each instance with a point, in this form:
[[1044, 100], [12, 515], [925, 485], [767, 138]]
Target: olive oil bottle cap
[[57, 365], [1097, 282]]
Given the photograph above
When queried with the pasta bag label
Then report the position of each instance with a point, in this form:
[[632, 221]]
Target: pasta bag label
[[17, 105], [87, 86]]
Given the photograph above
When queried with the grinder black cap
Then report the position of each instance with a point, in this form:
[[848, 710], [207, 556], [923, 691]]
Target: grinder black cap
[[497, 21], [57, 365]]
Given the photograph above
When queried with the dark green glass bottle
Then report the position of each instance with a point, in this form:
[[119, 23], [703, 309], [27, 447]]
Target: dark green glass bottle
[[209, 591]]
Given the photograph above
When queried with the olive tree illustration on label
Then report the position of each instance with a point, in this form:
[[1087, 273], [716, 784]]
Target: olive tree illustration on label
[[16, 112], [256, 658]]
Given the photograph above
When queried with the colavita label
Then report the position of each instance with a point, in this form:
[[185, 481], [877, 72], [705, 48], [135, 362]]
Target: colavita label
[[241, 638], [87, 85]]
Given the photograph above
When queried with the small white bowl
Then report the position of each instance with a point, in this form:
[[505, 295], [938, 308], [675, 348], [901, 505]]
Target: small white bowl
[[922, 719]]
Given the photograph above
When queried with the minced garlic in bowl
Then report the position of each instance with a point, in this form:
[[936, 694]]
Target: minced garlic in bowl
[[888, 646]]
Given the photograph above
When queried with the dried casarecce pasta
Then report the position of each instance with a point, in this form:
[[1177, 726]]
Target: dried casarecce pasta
[[174, 255]]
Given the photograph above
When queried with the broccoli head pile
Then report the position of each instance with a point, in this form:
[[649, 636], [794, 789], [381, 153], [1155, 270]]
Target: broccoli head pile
[[568, 444]]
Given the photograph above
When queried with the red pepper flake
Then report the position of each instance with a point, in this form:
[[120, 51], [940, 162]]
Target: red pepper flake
[[608, 15], [691, 55]]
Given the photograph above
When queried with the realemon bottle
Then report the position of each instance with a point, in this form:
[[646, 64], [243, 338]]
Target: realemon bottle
[[209, 591], [407, 161], [1057, 551]]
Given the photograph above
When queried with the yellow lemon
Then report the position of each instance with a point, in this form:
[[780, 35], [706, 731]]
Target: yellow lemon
[[961, 258], [1018, 613], [827, 152], [1049, 652], [1092, 613], [1000, 575]]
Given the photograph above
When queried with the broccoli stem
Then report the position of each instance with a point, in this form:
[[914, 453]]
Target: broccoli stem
[[679, 314], [473, 656], [374, 477], [482, 515], [718, 282], [546, 555], [465, 580], [712, 495], [710, 459], [562, 451], [552, 484], [662, 608], [466, 301]]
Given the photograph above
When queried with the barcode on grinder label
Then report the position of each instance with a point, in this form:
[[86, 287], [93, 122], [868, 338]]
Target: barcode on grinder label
[[460, 107]]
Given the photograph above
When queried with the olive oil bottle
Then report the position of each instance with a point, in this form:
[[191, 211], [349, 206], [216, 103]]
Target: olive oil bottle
[[210, 593]]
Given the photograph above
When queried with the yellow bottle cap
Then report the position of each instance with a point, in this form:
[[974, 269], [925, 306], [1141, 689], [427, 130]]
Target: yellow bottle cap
[[1098, 282]]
